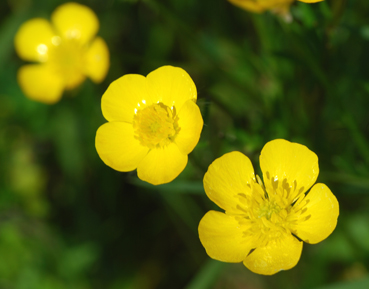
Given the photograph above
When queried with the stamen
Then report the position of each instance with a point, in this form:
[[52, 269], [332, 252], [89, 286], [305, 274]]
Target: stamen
[[264, 217], [156, 125], [260, 182]]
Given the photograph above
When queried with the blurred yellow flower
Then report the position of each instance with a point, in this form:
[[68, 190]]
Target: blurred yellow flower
[[261, 224], [66, 50], [153, 124], [258, 6]]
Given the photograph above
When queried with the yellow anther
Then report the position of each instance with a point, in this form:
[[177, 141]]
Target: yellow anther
[[156, 125]]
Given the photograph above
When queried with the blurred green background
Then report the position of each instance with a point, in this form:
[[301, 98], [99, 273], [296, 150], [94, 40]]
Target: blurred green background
[[69, 221]]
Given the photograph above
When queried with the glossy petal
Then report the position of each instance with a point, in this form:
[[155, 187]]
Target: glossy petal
[[171, 86], [222, 237], [75, 21], [117, 147], [40, 83], [123, 97], [279, 254], [227, 177], [316, 217], [97, 60], [191, 123], [162, 165], [288, 165], [34, 40]]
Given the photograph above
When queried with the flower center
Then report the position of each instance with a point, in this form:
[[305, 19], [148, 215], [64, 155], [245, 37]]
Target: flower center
[[264, 215], [68, 60], [267, 209], [156, 125]]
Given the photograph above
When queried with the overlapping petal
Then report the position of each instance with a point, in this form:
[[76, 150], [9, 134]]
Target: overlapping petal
[[162, 165], [40, 82], [316, 217], [227, 177], [286, 164], [97, 60], [75, 21], [124, 96], [190, 123], [223, 237], [172, 86], [280, 254], [33, 40], [117, 147]]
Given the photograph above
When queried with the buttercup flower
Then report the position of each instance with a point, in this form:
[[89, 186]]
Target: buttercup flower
[[66, 51], [258, 6], [261, 223], [153, 124]]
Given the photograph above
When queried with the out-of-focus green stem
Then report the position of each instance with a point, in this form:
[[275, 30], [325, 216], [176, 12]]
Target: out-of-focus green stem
[[347, 179], [263, 32], [207, 275], [7, 32], [187, 32], [338, 8], [177, 187], [357, 136], [354, 284], [178, 207], [310, 60], [185, 208]]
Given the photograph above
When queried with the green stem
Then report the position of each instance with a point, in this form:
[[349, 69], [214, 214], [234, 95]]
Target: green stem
[[347, 179], [357, 136], [338, 8], [207, 275]]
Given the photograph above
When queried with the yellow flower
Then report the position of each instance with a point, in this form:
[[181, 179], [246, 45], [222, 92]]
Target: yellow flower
[[66, 52], [153, 124], [261, 224], [259, 6]]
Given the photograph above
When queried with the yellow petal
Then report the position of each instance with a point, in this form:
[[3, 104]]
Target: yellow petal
[[117, 147], [279, 254], [74, 79], [75, 21], [252, 6], [190, 123], [33, 40], [162, 165], [316, 217], [39, 82], [124, 96], [223, 237], [97, 60], [288, 165], [171, 86], [260, 5], [227, 177], [310, 1]]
